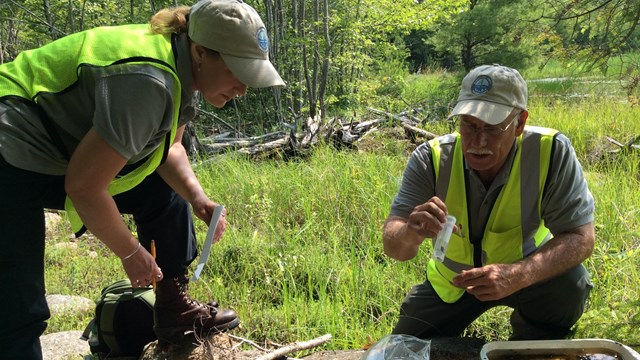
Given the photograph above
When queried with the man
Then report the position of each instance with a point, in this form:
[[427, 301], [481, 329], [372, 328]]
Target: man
[[524, 218]]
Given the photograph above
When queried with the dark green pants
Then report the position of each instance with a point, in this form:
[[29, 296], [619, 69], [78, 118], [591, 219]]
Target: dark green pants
[[546, 310], [159, 213]]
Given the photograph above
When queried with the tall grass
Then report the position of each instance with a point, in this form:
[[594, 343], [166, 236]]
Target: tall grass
[[614, 179], [302, 255]]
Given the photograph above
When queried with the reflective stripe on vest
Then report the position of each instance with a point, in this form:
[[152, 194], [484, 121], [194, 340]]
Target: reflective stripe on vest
[[103, 46], [515, 228]]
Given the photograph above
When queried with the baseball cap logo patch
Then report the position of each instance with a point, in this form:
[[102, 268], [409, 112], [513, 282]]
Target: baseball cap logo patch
[[481, 84], [263, 39]]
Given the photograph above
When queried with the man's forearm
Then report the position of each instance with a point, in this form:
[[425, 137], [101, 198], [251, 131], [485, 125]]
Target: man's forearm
[[563, 252], [399, 241]]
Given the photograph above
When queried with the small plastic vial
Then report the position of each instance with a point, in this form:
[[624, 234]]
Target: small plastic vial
[[442, 240]]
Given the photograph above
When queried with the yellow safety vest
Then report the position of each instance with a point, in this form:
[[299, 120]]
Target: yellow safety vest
[[103, 46], [515, 228]]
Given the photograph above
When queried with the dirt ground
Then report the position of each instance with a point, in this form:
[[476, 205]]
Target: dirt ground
[[222, 347]]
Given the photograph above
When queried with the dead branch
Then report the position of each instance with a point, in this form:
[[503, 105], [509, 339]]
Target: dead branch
[[246, 341], [628, 146], [414, 132], [297, 346]]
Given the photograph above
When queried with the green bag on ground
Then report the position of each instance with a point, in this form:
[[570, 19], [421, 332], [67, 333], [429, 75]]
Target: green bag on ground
[[123, 321]]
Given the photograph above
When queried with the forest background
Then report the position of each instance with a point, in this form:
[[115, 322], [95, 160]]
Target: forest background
[[303, 256]]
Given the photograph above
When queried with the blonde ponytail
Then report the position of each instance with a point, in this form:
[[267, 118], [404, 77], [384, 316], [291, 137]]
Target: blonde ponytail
[[171, 20]]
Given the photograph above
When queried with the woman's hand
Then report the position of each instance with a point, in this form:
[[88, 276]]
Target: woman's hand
[[141, 267], [203, 208]]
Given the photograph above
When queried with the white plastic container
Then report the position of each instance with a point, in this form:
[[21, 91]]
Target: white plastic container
[[442, 240], [528, 349]]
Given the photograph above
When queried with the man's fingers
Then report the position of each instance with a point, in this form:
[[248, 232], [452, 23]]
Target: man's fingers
[[470, 278]]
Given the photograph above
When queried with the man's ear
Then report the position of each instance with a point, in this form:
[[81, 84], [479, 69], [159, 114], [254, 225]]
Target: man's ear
[[522, 121]]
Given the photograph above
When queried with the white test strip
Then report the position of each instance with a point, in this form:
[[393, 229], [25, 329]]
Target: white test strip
[[208, 241]]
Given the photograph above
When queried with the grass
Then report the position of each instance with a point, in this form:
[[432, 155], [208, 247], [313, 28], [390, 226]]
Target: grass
[[302, 255]]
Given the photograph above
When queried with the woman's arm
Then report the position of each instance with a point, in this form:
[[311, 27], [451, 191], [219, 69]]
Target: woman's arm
[[92, 167], [177, 172]]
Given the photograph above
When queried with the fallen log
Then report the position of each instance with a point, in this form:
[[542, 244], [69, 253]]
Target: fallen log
[[415, 132], [266, 147]]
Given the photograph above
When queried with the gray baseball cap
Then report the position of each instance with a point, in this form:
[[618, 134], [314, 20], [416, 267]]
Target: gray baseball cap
[[236, 31], [490, 93]]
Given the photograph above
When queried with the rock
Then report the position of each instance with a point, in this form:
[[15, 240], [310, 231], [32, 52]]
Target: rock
[[66, 245], [64, 345], [69, 304], [53, 220]]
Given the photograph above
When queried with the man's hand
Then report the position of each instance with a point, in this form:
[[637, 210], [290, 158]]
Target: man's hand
[[402, 237], [491, 282], [427, 219]]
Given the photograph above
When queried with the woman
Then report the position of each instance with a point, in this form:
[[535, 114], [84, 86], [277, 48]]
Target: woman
[[92, 123]]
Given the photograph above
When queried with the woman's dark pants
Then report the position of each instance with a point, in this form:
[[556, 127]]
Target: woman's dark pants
[[160, 214]]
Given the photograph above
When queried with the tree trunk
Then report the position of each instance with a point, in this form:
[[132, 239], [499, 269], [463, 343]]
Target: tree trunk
[[311, 94], [46, 10], [72, 26], [279, 34], [325, 62], [294, 71]]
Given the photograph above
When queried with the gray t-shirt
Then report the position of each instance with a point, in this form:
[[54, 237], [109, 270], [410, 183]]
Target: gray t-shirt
[[566, 202], [129, 105]]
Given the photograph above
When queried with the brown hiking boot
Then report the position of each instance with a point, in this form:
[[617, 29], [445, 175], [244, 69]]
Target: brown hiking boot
[[175, 312]]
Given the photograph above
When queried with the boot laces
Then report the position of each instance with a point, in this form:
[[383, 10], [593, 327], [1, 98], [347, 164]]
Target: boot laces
[[184, 287]]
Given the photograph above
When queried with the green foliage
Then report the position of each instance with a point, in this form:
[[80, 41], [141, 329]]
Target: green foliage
[[487, 32], [593, 33], [434, 93], [368, 47], [367, 43], [430, 95]]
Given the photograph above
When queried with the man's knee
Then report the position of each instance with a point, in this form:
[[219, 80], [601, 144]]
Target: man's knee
[[571, 293], [550, 309]]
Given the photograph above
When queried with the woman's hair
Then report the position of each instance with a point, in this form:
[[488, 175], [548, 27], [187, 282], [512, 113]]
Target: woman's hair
[[171, 20]]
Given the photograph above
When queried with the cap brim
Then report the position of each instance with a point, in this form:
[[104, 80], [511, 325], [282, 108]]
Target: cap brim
[[488, 112], [255, 73]]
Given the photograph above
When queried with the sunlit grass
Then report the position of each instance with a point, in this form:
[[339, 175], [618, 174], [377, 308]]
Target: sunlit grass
[[302, 255]]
